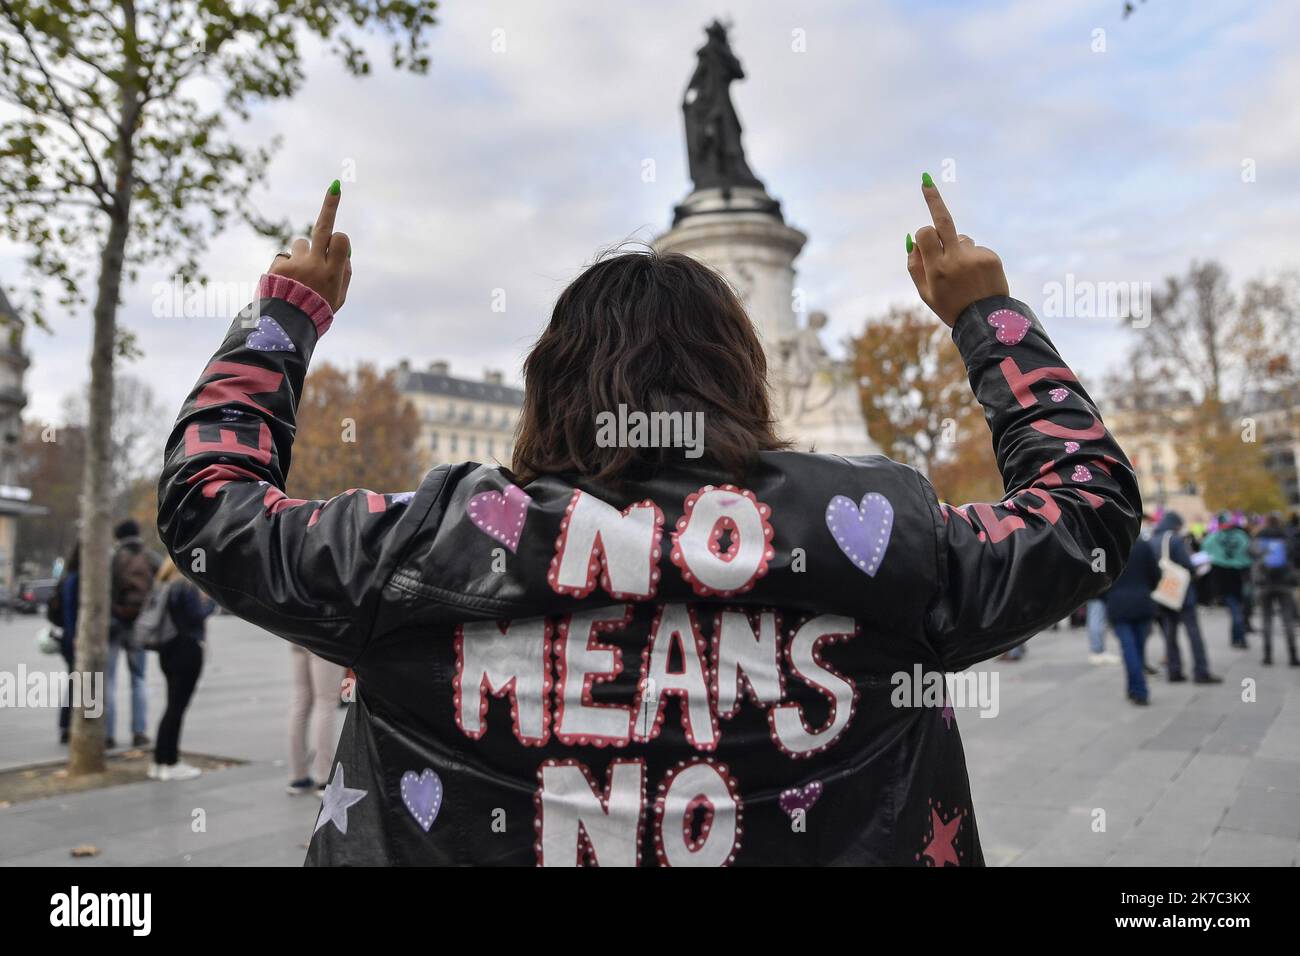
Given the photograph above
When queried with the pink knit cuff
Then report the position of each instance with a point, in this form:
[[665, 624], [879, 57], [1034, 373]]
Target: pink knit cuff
[[298, 296]]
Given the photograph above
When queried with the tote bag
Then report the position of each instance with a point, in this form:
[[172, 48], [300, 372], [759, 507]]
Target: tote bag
[[1174, 580]]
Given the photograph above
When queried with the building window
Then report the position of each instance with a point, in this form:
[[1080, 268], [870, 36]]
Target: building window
[[491, 449], [433, 441], [473, 445], [455, 443]]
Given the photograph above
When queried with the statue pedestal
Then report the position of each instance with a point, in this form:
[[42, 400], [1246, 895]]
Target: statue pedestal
[[741, 234], [836, 426]]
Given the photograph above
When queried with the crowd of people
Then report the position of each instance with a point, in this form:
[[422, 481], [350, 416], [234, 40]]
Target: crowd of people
[[154, 609], [1245, 563]]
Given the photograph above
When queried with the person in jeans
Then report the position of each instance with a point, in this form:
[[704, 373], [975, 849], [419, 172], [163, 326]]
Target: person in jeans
[[316, 683], [181, 660], [1230, 560], [133, 569], [1130, 609], [1275, 579], [1095, 617], [1170, 529]]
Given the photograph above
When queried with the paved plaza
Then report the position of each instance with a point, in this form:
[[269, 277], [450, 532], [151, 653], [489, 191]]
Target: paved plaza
[[1201, 777]]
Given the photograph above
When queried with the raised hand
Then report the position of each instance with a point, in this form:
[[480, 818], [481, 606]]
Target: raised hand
[[324, 263], [949, 270]]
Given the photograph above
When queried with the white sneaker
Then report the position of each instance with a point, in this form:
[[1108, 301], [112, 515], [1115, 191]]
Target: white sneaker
[[1101, 658], [178, 771], [155, 771]]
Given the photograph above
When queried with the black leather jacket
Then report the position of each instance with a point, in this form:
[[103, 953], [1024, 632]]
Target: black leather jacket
[[680, 671]]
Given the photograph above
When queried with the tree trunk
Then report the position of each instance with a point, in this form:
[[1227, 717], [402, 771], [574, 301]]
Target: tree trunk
[[86, 748], [86, 751]]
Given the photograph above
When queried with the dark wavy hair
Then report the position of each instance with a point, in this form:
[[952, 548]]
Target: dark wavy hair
[[655, 333]]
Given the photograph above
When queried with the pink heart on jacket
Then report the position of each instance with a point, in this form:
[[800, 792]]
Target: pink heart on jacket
[[1081, 473], [501, 516], [1011, 326], [800, 798]]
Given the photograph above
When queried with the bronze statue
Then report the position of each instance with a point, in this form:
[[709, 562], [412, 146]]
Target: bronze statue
[[713, 148]]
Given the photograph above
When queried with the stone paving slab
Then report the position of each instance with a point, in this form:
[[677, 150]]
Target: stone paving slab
[[1201, 777]]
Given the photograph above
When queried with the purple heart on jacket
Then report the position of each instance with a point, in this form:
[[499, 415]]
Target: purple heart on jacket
[[269, 337], [501, 516], [800, 798], [422, 794], [862, 532]]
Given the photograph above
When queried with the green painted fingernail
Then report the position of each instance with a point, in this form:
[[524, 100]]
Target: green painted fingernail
[[349, 252], [926, 180], [335, 188], [909, 243]]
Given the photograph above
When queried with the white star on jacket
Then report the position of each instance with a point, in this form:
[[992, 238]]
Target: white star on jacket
[[335, 800]]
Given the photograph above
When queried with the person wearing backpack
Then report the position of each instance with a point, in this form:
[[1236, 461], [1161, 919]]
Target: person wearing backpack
[[1275, 577], [172, 622], [132, 573]]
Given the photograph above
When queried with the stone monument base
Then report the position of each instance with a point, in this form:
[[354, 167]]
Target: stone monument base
[[837, 427], [741, 234]]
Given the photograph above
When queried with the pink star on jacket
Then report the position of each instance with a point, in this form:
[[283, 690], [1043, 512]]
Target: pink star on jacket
[[942, 847]]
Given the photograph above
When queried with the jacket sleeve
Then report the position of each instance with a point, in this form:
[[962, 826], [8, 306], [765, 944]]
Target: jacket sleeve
[[1071, 510], [309, 571]]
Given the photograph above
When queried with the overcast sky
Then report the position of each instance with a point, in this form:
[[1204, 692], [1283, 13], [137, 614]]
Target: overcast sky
[[510, 170]]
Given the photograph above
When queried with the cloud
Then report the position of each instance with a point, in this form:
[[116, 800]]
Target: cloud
[[509, 169]]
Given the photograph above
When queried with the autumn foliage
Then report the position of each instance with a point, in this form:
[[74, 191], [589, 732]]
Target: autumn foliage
[[1228, 464], [355, 430], [918, 404]]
